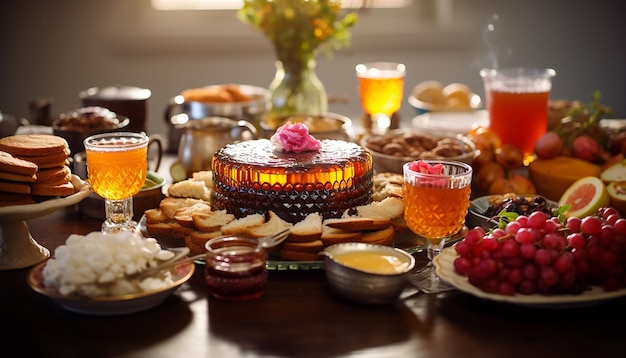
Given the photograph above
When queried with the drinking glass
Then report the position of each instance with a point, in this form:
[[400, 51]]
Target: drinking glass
[[116, 165], [517, 102], [435, 209], [381, 85]]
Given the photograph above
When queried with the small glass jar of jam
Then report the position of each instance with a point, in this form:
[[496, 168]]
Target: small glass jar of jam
[[235, 268]]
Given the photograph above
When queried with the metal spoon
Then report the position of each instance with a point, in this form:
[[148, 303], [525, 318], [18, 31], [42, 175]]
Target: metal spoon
[[267, 242]]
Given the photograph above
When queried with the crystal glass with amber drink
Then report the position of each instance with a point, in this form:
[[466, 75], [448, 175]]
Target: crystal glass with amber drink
[[381, 86], [436, 199], [116, 167]]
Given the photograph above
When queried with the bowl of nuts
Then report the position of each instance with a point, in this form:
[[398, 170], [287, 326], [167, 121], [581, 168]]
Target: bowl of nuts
[[78, 124], [391, 150]]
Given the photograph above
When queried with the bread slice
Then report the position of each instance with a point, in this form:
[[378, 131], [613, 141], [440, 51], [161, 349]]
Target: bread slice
[[308, 229], [355, 223], [197, 239], [155, 215], [169, 229], [184, 215], [239, 226], [388, 208], [273, 225], [212, 220], [196, 189], [331, 236], [170, 205], [380, 237], [204, 175], [312, 246]]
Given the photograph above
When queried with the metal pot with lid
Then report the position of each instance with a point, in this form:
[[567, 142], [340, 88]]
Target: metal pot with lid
[[246, 102], [9, 124], [129, 101]]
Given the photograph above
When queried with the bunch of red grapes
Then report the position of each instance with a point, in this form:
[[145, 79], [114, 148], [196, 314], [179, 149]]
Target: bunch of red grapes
[[539, 253]]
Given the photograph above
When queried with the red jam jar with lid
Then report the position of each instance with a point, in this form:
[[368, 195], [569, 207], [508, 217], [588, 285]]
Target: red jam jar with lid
[[235, 268]]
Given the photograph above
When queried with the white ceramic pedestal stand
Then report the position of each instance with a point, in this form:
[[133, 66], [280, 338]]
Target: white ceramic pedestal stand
[[18, 248]]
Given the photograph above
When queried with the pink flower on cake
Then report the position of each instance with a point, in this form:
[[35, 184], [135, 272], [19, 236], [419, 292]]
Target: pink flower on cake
[[294, 137]]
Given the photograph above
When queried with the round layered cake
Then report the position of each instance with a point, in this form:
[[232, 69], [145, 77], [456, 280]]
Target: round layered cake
[[254, 177]]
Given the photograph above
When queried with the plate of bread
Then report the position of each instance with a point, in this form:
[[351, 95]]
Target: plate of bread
[[185, 218]]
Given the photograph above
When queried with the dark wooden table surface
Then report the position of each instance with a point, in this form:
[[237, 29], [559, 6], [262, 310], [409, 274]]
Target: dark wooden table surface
[[299, 316]]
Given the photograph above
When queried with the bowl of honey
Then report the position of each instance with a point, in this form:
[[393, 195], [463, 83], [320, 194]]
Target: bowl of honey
[[365, 273]]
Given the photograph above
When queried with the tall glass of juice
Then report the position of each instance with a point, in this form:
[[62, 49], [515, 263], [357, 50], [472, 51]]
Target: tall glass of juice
[[436, 200], [116, 166], [381, 86], [517, 102]]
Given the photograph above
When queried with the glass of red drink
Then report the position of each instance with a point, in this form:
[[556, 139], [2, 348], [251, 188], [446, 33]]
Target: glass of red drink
[[517, 102], [235, 268]]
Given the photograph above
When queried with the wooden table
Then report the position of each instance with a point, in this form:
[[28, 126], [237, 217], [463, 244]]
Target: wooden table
[[299, 316]]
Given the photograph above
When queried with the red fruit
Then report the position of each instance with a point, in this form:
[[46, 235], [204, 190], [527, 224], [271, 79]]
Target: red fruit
[[548, 146], [586, 148]]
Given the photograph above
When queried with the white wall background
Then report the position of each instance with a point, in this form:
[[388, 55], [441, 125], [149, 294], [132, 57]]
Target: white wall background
[[57, 48]]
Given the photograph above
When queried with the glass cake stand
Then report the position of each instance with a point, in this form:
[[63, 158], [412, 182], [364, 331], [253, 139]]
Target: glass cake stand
[[18, 248]]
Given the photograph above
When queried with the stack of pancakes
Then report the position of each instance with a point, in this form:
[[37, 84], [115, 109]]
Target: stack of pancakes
[[33, 167]]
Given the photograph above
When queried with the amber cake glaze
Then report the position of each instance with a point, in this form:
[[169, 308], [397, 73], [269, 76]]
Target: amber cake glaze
[[251, 177]]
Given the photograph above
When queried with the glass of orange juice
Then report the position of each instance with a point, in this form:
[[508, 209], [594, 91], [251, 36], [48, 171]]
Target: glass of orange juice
[[517, 102], [436, 200], [116, 166], [380, 87]]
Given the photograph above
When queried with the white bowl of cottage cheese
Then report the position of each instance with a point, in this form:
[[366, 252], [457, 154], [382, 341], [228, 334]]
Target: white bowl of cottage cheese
[[93, 274]]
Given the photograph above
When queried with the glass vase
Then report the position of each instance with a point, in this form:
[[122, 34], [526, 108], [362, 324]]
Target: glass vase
[[295, 90]]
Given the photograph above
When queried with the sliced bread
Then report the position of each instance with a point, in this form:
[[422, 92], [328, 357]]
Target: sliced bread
[[196, 189], [307, 229], [388, 208], [273, 225], [212, 220], [239, 226]]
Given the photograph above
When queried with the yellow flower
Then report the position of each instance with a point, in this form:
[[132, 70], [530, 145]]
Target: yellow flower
[[300, 28]]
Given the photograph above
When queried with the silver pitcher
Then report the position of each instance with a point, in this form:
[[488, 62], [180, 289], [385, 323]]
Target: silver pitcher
[[201, 138]]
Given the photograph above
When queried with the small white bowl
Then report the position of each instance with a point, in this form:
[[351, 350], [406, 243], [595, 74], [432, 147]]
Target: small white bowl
[[423, 107], [451, 122], [112, 305]]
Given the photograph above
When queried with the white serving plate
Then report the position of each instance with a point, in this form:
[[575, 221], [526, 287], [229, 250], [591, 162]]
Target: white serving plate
[[18, 248], [444, 264], [451, 122], [112, 305]]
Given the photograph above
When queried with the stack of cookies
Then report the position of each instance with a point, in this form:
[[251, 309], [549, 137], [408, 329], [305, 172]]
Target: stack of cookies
[[33, 167]]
